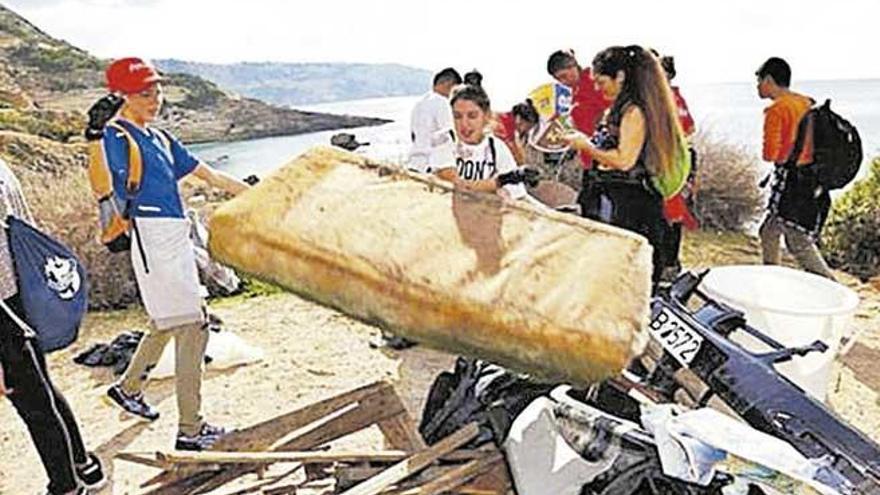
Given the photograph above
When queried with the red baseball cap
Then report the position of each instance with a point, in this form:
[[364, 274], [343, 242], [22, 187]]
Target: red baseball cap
[[131, 75]]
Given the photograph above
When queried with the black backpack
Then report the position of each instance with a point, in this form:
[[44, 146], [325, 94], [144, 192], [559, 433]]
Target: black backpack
[[837, 147]]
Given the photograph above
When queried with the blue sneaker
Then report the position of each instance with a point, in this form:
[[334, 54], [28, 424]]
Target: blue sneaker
[[204, 439], [135, 404]]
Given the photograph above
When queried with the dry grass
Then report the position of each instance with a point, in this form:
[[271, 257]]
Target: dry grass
[[728, 195], [55, 184]]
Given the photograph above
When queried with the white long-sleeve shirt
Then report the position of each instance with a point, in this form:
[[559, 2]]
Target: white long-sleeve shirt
[[430, 127], [11, 203]]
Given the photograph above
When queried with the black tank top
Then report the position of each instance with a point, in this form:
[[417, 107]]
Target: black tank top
[[607, 137]]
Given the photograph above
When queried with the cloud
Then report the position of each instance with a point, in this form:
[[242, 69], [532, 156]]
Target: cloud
[[508, 42]]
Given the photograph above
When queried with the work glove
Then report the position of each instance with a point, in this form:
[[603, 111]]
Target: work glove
[[100, 113], [525, 175]]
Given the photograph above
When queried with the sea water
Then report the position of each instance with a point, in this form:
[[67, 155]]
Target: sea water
[[730, 112]]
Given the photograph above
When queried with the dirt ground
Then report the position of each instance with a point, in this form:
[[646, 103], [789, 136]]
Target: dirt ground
[[312, 353]]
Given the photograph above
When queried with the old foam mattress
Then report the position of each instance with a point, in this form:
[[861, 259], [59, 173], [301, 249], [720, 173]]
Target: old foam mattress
[[529, 288]]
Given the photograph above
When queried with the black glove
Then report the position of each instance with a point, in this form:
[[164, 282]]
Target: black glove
[[525, 175], [251, 180], [100, 113]]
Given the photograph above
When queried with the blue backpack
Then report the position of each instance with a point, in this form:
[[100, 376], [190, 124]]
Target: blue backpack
[[52, 285]]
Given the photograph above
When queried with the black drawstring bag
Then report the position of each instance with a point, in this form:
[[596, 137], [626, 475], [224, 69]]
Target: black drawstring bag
[[52, 285]]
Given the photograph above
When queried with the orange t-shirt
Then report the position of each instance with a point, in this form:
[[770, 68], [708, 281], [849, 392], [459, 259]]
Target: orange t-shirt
[[781, 120]]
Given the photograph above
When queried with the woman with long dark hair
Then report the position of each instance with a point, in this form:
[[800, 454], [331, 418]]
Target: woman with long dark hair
[[639, 150]]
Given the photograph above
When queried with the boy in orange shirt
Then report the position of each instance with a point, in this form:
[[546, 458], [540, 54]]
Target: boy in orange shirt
[[797, 207]]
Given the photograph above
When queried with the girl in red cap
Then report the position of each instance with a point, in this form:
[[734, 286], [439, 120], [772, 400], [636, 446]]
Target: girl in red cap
[[161, 253]]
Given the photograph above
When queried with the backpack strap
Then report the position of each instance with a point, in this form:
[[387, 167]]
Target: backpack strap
[[135, 160], [492, 153], [100, 178], [804, 126]]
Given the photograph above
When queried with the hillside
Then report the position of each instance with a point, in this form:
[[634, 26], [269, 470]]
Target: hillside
[[297, 84], [46, 85]]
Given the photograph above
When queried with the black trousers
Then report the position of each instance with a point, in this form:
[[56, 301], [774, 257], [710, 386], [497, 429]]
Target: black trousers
[[41, 406], [672, 233], [630, 206]]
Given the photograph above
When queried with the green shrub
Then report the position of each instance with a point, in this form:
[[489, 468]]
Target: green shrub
[[199, 92], [728, 195], [54, 59], [851, 237]]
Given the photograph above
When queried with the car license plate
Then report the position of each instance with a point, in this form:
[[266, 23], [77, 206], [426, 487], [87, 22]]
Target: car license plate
[[676, 336]]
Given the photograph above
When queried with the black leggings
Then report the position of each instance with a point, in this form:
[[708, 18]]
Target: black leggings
[[41, 406], [629, 206], [672, 234]]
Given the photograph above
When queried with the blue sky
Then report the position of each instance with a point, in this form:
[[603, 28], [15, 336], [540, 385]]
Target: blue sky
[[508, 41]]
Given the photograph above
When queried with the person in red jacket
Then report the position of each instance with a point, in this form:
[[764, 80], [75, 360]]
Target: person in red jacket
[[588, 105]]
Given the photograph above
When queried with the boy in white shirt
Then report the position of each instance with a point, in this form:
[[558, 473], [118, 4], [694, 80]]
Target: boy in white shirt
[[431, 120]]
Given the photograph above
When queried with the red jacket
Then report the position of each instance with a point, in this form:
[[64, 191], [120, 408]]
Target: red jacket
[[684, 114], [505, 127], [588, 107]]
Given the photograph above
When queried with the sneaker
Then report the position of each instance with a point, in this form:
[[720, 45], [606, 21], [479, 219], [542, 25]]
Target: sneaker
[[204, 439], [135, 404], [91, 474]]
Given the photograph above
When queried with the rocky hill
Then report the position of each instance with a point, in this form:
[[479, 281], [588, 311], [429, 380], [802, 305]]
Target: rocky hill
[[46, 84], [297, 84]]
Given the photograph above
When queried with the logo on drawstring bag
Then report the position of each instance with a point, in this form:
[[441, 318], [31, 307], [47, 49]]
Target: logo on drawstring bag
[[62, 276]]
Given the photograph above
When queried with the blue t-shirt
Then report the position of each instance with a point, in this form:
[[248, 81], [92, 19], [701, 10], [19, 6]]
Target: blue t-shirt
[[158, 195]]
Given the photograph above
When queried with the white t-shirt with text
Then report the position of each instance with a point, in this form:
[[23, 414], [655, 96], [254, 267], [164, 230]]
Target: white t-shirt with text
[[476, 161]]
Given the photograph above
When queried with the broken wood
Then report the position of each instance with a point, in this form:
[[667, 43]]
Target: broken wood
[[290, 438], [416, 462], [210, 457], [140, 458], [263, 435], [182, 458], [458, 476]]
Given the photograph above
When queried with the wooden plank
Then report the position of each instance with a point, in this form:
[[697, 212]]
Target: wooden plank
[[261, 436], [458, 476], [178, 458], [369, 410], [400, 431], [182, 485], [415, 463], [181, 473], [495, 481], [139, 458], [281, 490], [365, 412]]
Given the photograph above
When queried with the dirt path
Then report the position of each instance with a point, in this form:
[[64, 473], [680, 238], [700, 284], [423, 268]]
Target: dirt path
[[313, 352]]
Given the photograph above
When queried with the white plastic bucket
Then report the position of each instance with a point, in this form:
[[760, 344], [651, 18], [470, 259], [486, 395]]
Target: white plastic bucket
[[793, 307]]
